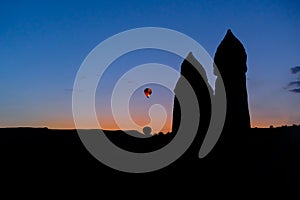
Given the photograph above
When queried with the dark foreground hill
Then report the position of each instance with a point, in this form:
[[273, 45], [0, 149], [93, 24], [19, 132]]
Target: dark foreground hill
[[268, 161]]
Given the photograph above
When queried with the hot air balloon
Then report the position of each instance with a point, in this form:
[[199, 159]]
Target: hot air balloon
[[148, 92]]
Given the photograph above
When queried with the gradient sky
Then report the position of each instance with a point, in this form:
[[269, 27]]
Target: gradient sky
[[43, 43]]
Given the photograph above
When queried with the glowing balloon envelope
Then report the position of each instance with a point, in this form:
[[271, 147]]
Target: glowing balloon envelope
[[148, 92]]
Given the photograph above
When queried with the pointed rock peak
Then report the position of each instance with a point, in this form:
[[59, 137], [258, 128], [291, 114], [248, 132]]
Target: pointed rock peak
[[191, 59], [229, 32], [191, 62], [231, 52], [190, 55], [230, 37]]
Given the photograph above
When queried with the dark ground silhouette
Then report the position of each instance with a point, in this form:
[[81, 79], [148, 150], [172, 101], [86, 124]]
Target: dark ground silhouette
[[269, 163], [252, 161], [138, 145]]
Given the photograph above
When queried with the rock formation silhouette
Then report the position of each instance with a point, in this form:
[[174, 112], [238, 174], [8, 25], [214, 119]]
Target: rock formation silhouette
[[199, 84], [230, 58]]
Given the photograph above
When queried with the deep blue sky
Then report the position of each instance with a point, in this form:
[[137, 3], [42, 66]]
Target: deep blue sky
[[43, 43]]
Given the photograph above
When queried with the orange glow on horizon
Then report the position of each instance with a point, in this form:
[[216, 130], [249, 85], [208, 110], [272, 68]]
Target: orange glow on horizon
[[108, 124], [266, 123], [105, 124]]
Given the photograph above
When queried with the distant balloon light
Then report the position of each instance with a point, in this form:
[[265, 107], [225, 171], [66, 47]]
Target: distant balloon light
[[148, 92]]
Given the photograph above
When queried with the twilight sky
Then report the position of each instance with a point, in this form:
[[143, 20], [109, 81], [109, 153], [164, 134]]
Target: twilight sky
[[43, 43]]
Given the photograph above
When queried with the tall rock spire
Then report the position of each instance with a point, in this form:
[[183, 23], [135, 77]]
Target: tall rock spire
[[231, 58], [190, 69]]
